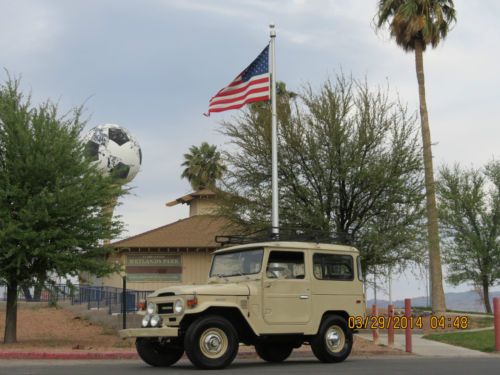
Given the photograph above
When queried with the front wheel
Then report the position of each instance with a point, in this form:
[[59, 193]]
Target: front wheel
[[154, 353], [333, 343], [211, 342], [273, 352]]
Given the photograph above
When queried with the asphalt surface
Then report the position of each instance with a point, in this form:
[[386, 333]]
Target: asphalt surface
[[364, 366]]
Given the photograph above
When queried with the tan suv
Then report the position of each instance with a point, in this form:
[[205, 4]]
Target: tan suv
[[276, 296]]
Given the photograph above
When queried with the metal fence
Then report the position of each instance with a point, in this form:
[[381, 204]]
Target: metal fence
[[94, 297]]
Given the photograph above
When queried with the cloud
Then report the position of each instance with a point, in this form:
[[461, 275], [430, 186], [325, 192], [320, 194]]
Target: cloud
[[27, 28], [143, 213], [220, 8]]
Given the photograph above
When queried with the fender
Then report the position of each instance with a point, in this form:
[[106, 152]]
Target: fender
[[203, 307]]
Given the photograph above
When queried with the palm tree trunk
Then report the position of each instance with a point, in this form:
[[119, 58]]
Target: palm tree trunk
[[11, 314], [437, 292]]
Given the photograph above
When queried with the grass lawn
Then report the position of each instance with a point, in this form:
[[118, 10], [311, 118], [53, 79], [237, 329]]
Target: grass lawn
[[482, 322], [479, 340]]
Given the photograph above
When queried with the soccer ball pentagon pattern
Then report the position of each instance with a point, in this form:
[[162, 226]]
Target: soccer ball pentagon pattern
[[115, 151]]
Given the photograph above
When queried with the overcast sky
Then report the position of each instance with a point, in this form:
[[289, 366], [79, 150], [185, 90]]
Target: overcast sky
[[151, 66]]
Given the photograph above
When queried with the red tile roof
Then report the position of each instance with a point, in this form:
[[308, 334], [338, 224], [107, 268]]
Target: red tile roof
[[194, 232]]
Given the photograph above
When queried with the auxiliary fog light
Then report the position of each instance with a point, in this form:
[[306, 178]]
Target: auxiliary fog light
[[151, 308], [179, 306], [155, 320], [145, 320]]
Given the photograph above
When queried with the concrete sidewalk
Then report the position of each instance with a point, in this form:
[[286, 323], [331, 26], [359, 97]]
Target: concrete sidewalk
[[428, 348]]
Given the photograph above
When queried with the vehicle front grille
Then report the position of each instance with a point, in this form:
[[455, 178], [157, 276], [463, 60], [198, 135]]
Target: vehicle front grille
[[166, 308]]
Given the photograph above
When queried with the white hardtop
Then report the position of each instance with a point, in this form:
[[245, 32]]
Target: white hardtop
[[291, 245]]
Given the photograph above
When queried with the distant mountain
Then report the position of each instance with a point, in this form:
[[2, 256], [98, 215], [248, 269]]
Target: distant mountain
[[466, 301]]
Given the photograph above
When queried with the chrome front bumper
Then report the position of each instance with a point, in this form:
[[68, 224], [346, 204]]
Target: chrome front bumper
[[149, 332]]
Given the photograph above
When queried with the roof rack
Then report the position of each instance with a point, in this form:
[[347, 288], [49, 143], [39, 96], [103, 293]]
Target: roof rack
[[285, 234]]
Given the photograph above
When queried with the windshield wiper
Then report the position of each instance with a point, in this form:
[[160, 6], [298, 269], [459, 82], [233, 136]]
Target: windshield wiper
[[236, 274], [222, 276]]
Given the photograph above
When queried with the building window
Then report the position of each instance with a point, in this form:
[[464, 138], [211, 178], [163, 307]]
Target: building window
[[333, 267]]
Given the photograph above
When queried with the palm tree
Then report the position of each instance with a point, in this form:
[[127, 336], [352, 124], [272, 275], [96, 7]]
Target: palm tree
[[203, 166], [415, 24]]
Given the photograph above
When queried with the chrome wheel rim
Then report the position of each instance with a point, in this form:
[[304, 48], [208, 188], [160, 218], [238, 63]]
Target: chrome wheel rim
[[335, 339], [213, 343]]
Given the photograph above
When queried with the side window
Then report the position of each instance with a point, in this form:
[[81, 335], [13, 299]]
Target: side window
[[360, 271], [333, 267], [285, 265]]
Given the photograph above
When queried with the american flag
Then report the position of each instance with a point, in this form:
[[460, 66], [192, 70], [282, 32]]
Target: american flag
[[251, 85]]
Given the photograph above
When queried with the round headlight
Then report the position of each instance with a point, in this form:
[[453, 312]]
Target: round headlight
[[145, 320], [155, 320], [179, 306], [151, 308]]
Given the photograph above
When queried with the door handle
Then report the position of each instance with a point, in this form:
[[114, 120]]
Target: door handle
[[304, 296]]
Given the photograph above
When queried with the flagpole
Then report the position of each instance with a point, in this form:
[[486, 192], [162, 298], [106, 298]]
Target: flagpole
[[274, 137]]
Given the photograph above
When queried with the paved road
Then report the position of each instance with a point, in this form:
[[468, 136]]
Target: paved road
[[355, 365]]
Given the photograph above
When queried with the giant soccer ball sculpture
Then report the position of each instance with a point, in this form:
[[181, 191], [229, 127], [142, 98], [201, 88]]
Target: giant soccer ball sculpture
[[115, 151]]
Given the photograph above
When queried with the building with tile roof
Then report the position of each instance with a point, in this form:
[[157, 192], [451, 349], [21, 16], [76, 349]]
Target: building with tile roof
[[176, 253]]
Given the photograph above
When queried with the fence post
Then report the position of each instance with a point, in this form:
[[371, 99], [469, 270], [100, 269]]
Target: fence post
[[390, 328], [408, 326], [375, 330], [108, 301], [496, 317], [124, 302], [88, 298]]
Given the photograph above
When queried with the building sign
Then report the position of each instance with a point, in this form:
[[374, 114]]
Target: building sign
[[153, 267]]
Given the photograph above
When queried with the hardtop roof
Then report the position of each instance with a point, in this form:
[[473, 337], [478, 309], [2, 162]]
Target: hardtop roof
[[291, 245]]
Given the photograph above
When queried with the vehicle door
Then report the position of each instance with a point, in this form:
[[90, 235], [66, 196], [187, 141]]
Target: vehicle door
[[286, 288]]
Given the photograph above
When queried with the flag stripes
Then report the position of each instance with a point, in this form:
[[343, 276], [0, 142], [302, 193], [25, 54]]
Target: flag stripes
[[252, 85]]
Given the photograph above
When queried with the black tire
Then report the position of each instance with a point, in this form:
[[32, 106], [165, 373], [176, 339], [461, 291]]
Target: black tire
[[333, 343], [273, 352], [211, 342], [156, 354]]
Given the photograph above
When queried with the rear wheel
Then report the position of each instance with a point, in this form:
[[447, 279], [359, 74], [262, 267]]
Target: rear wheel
[[154, 353], [211, 342], [273, 352], [333, 343]]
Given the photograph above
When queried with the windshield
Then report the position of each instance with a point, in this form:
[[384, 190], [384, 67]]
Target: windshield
[[237, 263]]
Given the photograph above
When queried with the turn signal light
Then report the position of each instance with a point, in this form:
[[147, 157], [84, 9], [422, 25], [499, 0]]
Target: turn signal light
[[141, 306], [192, 302]]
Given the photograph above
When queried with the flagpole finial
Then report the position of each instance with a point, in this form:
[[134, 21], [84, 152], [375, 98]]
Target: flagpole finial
[[272, 31]]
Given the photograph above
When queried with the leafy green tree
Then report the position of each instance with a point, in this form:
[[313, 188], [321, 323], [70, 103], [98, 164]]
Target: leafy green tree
[[53, 201], [203, 166], [349, 163], [416, 24], [470, 218]]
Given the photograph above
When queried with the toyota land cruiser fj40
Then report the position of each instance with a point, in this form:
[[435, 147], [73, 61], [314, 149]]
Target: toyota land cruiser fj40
[[275, 295]]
